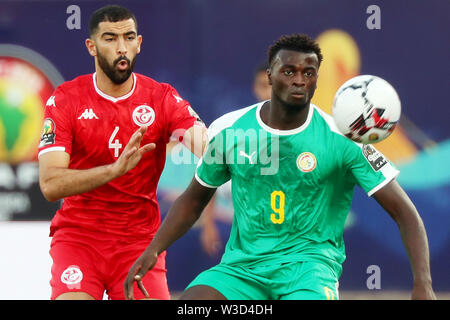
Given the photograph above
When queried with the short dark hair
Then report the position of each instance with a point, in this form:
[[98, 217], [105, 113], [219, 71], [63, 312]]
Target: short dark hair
[[296, 42], [111, 13]]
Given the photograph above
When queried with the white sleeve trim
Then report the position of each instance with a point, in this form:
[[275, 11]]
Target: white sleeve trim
[[203, 183], [50, 150], [392, 175]]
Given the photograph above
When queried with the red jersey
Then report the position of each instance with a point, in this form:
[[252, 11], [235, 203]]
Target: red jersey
[[94, 128]]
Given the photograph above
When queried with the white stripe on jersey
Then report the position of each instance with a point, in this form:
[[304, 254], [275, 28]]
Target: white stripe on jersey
[[50, 150], [203, 183]]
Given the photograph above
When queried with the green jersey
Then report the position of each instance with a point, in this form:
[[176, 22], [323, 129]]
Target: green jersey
[[291, 189]]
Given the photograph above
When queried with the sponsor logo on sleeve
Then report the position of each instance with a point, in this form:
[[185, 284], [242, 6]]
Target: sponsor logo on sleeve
[[375, 158], [48, 133], [195, 115]]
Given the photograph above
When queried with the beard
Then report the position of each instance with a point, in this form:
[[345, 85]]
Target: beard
[[115, 75]]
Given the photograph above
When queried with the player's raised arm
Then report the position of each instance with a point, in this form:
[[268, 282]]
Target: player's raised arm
[[196, 139], [397, 203], [58, 181], [181, 217]]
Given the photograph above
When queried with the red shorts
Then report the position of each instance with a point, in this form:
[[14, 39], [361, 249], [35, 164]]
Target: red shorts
[[86, 262]]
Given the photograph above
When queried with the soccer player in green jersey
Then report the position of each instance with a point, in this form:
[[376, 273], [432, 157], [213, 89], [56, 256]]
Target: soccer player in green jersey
[[293, 176]]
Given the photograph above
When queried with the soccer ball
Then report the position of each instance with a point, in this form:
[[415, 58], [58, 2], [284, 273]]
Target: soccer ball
[[366, 109]]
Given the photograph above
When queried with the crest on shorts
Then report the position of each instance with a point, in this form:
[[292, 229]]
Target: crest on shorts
[[306, 162], [72, 276], [143, 115]]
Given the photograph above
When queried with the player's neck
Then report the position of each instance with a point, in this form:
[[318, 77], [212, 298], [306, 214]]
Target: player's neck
[[283, 117], [105, 85]]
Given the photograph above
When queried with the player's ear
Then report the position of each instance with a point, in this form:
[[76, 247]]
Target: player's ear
[[139, 39], [90, 45], [269, 76]]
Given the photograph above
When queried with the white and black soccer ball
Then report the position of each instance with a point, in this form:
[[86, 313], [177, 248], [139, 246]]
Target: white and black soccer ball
[[366, 109]]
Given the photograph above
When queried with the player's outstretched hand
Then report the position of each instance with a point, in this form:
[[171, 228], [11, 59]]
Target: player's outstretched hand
[[137, 272], [132, 153]]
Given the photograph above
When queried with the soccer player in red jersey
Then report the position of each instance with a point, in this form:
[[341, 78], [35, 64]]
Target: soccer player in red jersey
[[102, 150]]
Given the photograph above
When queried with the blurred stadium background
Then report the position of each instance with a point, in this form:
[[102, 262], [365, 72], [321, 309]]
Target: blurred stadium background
[[209, 51]]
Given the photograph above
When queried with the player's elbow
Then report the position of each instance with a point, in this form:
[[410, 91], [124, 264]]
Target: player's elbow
[[49, 191], [409, 219]]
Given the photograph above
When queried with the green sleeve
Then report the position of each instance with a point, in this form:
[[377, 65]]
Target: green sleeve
[[369, 167], [212, 169]]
